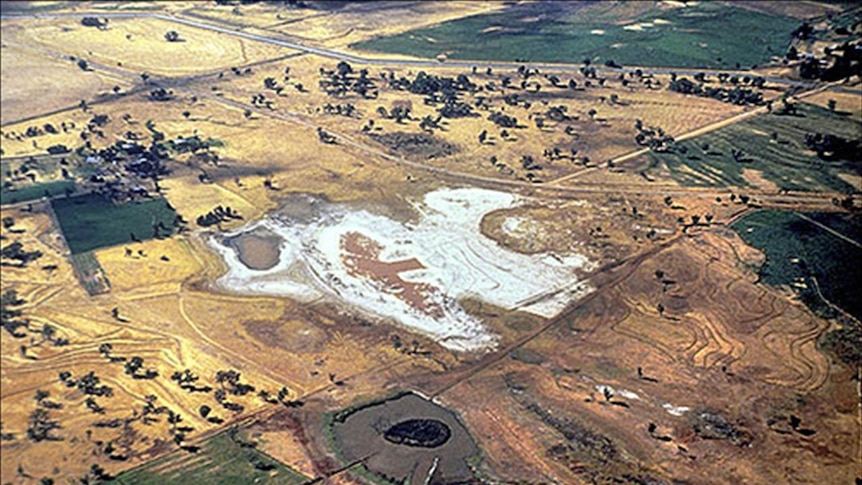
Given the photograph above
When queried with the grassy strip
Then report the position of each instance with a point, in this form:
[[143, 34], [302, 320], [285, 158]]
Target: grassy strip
[[90, 273], [221, 460], [34, 192]]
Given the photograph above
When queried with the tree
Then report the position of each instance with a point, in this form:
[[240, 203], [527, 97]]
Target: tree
[[831, 103], [41, 426], [83, 65], [172, 36], [344, 69], [94, 22]]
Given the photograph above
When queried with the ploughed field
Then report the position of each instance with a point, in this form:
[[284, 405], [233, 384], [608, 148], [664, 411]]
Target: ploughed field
[[768, 151]]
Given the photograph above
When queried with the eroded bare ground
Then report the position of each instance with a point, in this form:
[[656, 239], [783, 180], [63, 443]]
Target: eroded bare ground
[[673, 364]]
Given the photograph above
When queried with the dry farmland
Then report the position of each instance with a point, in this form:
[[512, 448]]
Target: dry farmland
[[236, 248]]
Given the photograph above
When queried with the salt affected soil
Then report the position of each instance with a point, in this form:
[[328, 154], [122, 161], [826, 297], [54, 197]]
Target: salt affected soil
[[441, 257]]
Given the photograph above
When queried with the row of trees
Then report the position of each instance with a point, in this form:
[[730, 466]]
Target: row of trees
[[738, 95], [218, 215]]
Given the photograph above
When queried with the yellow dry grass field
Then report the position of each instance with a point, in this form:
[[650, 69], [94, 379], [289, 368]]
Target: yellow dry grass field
[[339, 27], [27, 78], [139, 45], [846, 101]]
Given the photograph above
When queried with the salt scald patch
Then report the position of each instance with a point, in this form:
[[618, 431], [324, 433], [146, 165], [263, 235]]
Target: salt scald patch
[[457, 259], [610, 391], [675, 410]]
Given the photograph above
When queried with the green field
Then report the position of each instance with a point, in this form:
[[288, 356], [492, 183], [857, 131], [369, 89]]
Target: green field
[[797, 249], [90, 222], [705, 35], [785, 160], [37, 191], [220, 461]]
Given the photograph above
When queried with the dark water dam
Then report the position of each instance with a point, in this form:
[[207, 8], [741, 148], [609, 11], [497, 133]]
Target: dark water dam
[[407, 439]]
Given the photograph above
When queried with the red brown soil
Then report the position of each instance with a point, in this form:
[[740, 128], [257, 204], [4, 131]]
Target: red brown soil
[[361, 256]]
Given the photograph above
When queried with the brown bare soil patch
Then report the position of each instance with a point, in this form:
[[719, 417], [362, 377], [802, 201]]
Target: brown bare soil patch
[[361, 255], [289, 334]]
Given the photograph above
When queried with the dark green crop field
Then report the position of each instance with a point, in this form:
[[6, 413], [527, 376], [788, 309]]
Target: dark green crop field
[[798, 250], [90, 222], [705, 35]]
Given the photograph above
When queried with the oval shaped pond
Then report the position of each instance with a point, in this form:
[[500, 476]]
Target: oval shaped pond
[[424, 433]]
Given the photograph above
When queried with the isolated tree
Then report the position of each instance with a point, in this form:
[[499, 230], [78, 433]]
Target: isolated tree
[[831, 103], [83, 65], [172, 36]]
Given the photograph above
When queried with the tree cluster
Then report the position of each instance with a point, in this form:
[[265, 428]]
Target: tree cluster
[[438, 90], [15, 251], [344, 80], [738, 95], [838, 63], [10, 315], [216, 216], [503, 120], [346, 109], [653, 137], [833, 147]]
